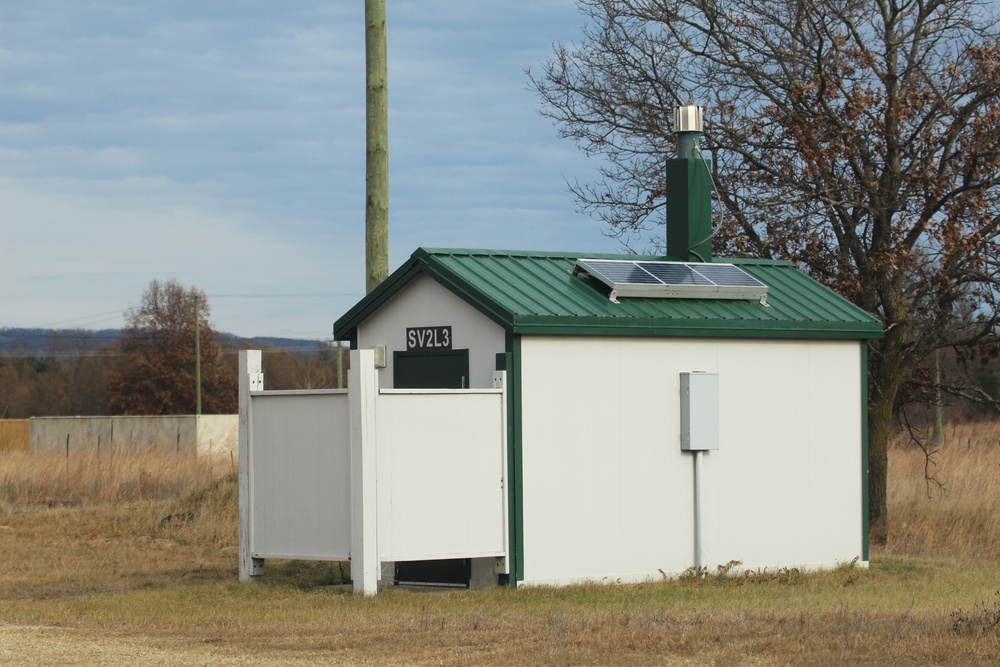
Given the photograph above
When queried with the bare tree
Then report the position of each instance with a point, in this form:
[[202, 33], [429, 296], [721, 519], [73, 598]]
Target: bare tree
[[159, 343], [858, 138], [301, 369]]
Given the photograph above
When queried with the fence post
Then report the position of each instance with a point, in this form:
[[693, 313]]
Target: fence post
[[362, 390], [502, 565], [251, 379]]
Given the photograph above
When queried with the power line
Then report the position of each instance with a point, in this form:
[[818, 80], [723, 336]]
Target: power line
[[58, 355], [283, 296], [329, 295], [77, 319], [84, 335], [58, 334], [78, 354]]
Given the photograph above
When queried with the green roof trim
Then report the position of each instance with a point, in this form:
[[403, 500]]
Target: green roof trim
[[536, 293]]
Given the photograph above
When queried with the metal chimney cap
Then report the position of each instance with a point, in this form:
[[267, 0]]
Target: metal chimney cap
[[689, 118]]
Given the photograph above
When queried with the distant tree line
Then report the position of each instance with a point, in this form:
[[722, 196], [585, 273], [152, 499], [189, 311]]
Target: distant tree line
[[151, 369], [73, 377]]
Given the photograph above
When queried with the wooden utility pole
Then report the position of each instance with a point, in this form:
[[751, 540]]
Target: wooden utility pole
[[376, 148], [197, 357]]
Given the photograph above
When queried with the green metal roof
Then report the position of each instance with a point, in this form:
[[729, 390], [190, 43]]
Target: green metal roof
[[537, 293]]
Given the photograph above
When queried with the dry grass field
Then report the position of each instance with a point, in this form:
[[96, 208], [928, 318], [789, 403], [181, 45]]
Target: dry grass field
[[132, 560], [959, 513]]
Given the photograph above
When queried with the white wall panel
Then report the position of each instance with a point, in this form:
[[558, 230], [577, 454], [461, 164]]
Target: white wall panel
[[300, 454], [608, 494], [425, 303], [440, 474]]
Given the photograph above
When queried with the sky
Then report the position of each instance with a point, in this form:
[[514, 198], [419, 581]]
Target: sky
[[221, 143]]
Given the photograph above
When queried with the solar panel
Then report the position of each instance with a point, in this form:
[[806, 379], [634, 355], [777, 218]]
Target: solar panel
[[628, 273], [675, 274], [727, 274], [673, 280]]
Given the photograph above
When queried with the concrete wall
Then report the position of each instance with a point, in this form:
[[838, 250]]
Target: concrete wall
[[185, 434], [14, 435], [218, 435], [608, 494]]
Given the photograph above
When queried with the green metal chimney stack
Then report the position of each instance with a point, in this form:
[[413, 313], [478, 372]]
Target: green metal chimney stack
[[689, 191]]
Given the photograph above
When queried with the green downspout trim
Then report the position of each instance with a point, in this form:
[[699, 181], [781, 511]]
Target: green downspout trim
[[518, 466], [864, 450], [515, 490], [515, 524]]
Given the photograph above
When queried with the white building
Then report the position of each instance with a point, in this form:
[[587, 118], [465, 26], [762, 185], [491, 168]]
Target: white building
[[652, 416], [598, 486]]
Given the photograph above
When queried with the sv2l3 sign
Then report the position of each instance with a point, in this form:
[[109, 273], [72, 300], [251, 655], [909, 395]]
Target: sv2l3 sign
[[428, 338]]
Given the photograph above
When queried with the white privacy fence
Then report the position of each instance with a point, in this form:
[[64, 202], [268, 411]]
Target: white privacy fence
[[370, 475], [300, 475], [440, 474]]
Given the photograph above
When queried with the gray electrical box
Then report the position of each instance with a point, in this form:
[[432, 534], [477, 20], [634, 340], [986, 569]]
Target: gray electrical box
[[699, 411]]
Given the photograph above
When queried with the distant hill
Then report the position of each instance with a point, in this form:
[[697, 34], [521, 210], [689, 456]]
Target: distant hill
[[67, 342], [299, 344]]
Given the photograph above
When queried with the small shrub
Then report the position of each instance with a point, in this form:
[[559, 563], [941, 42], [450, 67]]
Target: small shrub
[[979, 620]]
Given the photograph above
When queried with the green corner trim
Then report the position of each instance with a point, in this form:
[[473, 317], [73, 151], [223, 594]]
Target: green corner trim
[[515, 490], [864, 450]]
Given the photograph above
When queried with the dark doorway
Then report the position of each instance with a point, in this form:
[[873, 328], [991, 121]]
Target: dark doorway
[[454, 572], [426, 369], [432, 369]]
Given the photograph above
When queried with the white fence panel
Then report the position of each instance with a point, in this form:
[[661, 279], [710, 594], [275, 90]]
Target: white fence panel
[[441, 462], [369, 475], [301, 485]]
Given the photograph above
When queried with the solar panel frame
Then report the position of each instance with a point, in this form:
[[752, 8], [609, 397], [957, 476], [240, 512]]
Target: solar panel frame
[[727, 274], [675, 273], [618, 272], [673, 280]]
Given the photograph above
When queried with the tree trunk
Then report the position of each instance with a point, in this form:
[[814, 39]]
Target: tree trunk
[[885, 371], [879, 425]]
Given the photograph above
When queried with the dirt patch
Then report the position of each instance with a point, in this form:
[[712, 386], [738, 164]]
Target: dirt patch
[[31, 646]]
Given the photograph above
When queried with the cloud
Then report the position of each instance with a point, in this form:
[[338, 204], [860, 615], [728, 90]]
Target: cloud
[[222, 144]]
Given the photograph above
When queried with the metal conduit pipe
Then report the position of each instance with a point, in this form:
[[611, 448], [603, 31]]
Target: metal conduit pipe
[[698, 558], [699, 433]]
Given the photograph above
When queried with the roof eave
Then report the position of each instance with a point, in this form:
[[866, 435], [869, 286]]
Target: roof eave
[[420, 262], [425, 261], [344, 327], [577, 326]]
